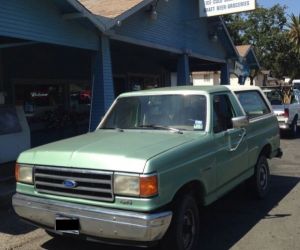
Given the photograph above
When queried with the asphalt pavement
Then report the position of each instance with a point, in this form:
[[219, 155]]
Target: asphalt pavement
[[237, 221]]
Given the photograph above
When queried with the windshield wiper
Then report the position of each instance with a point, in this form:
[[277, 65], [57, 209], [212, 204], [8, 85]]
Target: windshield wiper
[[161, 127]]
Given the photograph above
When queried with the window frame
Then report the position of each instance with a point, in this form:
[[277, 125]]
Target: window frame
[[229, 102], [262, 97]]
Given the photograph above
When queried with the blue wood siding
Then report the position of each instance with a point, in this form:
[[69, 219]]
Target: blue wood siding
[[183, 70], [177, 26], [103, 88], [41, 20]]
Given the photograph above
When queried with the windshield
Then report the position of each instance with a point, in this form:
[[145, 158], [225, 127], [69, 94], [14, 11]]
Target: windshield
[[182, 112]]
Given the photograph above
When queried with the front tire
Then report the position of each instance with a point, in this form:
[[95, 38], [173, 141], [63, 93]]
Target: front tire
[[260, 182], [183, 233]]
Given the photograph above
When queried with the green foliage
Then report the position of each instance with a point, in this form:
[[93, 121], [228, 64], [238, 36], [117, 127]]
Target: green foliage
[[294, 32], [267, 30]]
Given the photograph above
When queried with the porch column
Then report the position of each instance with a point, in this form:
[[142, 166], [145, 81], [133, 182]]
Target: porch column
[[225, 75], [183, 70], [102, 83]]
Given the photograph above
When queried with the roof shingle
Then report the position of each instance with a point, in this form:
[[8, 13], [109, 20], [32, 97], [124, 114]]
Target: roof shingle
[[109, 8], [243, 50]]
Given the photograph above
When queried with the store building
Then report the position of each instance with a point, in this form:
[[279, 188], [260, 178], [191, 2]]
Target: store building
[[65, 61], [246, 71]]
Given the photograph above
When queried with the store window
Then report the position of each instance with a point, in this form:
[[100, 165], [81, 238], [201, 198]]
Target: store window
[[141, 82], [54, 103], [80, 96], [36, 98]]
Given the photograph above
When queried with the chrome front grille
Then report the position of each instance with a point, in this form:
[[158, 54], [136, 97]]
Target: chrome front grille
[[90, 184]]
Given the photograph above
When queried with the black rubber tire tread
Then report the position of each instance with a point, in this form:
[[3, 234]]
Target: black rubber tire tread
[[293, 132], [255, 186], [173, 239]]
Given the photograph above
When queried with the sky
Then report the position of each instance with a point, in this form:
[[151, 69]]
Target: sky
[[293, 5]]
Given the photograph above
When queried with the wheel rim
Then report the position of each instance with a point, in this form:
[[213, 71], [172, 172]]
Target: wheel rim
[[263, 177], [188, 229]]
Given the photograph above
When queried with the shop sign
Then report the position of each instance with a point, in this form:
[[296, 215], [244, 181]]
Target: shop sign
[[241, 69], [222, 7], [238, 69]]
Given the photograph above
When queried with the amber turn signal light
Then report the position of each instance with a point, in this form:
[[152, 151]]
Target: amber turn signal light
[[17, 172], [148, 186]]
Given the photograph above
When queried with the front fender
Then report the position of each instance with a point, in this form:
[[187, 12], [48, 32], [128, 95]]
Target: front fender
[[176, 168]]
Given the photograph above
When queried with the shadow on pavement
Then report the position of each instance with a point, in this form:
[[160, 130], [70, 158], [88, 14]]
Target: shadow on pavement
[[223, 223], [287, 135], [228, 220], [10, 223]]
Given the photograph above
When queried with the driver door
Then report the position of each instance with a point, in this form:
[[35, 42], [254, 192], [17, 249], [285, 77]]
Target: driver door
[[231, 144]]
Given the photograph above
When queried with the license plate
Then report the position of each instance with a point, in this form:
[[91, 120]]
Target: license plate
[[67, 225]]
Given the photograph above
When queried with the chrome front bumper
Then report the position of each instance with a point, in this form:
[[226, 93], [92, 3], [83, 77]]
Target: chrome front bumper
[[94, 221]]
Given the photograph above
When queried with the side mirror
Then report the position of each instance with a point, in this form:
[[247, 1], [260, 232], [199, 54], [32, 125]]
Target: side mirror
[[240, 122]]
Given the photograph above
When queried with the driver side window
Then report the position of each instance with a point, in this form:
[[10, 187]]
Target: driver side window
[[222, 113]]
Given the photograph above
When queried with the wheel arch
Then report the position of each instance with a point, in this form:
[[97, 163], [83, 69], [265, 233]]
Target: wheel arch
[[266, 151], [194, 187]]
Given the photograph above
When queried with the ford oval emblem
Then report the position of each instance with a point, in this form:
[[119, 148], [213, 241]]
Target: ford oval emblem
[[70, 184]]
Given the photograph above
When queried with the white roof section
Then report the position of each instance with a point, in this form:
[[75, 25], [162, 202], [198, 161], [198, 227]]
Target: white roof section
[[242, 88]]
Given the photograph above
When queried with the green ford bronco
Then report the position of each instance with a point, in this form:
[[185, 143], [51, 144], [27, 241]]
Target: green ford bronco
[[155, 158]]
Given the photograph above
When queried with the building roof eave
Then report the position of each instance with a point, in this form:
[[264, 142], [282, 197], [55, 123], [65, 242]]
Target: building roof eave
[[96, 21], [255, 58], [235, 52], [246, 51], [104, 23], [129, 13]]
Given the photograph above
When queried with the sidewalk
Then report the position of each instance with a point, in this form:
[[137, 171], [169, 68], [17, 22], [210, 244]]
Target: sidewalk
[[7, 183]]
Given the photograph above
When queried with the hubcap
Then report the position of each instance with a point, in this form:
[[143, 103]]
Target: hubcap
[[188, 229], [263, 177]]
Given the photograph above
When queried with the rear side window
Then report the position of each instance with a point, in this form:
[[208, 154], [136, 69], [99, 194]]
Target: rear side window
[[253, 103]]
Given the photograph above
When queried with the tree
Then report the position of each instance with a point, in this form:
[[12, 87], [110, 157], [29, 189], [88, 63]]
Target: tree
[[265, 29], [294, 32]]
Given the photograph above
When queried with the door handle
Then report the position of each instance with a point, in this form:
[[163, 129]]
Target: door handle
[[242, 136]]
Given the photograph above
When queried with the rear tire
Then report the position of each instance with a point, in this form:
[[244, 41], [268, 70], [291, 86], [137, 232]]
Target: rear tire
[[294, 129], [184, 230], [260, 182]]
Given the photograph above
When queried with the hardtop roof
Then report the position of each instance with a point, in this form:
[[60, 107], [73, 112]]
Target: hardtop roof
[[178, 90]]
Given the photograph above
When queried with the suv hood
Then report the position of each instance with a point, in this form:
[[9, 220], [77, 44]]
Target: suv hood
[[105, 150]]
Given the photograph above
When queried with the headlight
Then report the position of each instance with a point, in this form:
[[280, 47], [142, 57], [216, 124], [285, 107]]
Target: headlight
[[136, 185], [24, 173]]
